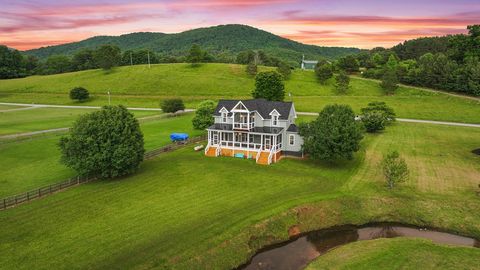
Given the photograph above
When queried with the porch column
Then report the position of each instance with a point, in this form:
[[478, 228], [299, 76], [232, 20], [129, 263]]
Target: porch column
[[261, 142], [208, 136], [248, 144], [233, 144], [275, 152]]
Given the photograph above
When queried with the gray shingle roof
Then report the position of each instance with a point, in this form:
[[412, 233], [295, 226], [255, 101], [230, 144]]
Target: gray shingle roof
[[292, 128], [262, 106]]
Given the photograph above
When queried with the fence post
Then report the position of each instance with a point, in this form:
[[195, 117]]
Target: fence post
[[4, 204], [50, 189], [28, 196], [39, 193]]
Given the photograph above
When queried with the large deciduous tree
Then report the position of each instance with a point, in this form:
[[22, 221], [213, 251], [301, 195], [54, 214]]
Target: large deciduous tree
[[172, 105], [196, 55], [269, 85], [108, 56], [324, 71], [333, 135], [204, 115], [106, 143]]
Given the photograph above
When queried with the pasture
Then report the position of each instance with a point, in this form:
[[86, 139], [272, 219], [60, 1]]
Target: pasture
[[141, 86], [188, 211]]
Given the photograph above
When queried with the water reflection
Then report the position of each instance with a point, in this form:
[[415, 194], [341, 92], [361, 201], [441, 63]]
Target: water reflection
[[296, 254]]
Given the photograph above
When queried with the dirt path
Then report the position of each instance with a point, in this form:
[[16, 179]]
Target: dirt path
[[424, 89]]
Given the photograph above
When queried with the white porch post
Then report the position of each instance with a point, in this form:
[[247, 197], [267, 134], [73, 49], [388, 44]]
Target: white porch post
[[233, 145], [275, 152], [248, 144], [261, 142]]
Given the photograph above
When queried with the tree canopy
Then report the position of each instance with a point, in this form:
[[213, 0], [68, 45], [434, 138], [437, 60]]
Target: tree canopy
[[324, 71], [107, 56], [204, 115], [106, 143], [270, 86], [172, 105], [333, 135], [79, 94]]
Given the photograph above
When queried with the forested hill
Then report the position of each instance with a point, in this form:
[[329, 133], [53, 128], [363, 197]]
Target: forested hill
[[223, 39]]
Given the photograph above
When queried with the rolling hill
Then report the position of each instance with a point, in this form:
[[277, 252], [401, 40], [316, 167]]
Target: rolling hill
[[140, 86], [229, 39]]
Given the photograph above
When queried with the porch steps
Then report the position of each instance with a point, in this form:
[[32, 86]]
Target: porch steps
[[211, 152], [263, 159]]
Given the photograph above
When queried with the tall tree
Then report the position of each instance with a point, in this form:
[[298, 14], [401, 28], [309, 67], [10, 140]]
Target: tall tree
[[12, 64], [84, 59], [107, 56], [196, 55], [342, 82], [348, 63], [333, 135], [251, 68], [269, 85], [56, 64], [204, 115], [390, 79], [324, 71], [284, 69]]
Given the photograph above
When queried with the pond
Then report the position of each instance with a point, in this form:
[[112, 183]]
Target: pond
[[297, 253]]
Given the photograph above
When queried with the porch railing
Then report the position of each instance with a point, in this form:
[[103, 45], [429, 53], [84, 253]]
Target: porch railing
[[243, 125]]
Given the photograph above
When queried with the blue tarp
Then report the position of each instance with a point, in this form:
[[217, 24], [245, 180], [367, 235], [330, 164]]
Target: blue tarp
[[178, 137]]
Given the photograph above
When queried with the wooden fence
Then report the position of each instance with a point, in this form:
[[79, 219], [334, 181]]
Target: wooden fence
[[46, 190]]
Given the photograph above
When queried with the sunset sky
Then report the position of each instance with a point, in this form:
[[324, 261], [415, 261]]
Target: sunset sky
[[26, 24]]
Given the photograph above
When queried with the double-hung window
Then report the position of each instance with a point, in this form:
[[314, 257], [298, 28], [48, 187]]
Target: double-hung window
[[275, 120], [291, 139], [224, 117]]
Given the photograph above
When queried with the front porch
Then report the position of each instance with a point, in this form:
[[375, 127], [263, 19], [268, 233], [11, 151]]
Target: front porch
[[265, 148]]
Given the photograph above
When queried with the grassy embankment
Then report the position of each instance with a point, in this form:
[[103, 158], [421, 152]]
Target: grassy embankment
[[143, 87], [30, 163], [187, 211], [398, 253]]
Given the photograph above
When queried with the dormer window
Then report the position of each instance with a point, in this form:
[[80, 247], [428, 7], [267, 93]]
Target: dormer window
[[224, 117], [274, 114]]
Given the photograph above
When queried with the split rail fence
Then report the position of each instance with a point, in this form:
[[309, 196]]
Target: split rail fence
[[47, 190]]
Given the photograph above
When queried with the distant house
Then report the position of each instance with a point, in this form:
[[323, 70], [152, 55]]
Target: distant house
[[308, 64], [257, 128]]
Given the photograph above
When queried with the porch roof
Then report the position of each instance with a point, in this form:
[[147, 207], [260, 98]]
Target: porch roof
[[229, 127]]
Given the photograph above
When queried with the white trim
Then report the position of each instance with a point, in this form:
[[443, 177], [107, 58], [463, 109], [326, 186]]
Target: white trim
[[224, 117], [276, 117], [274, 112], [289, 141], [223, 109], [240, 110]]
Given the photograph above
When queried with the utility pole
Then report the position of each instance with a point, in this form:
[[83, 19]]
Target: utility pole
[[131, 60], [148, 56]]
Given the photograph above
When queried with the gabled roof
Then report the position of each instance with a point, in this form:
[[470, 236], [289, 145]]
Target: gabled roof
[[292, 128], [260, 105]]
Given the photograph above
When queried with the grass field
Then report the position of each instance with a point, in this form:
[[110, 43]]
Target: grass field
[[32, 163], [45, 118], [187, 211], [398, 253], [143, 87]]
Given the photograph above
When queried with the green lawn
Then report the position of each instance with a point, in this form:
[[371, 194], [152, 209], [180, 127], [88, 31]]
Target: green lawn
[[45, 118], [143, 87], [184, 210], [8, 107], [398, 253], [32, 163]]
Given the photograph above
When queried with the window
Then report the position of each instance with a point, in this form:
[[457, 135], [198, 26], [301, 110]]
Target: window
[[291, 139], [224, 117], [274, 120]]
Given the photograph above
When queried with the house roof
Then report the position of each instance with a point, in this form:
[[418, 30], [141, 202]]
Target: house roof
[[292, 128], [309, 61], [262, 106]]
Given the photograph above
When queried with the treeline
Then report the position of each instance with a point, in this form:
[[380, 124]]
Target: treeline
[[14, 64], [449, 63]]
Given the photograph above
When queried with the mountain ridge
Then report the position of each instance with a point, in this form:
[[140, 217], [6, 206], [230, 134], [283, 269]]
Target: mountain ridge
[[227, 39]]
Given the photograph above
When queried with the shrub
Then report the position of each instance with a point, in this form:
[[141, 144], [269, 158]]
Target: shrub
[[106, 143], [79, 93], [333, 135], [285, 70], [394, 168], [204, 115], [172, 105], [269, 85], [376, 116], [251, 68]]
